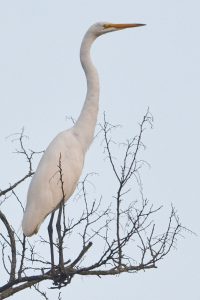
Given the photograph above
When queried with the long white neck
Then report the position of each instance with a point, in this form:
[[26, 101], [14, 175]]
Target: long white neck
[[85, 125]]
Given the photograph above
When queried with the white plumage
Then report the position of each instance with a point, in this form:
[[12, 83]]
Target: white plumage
[[65, 154]]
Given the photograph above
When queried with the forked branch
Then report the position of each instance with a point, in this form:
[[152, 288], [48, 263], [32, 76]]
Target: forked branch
[[102, 238]]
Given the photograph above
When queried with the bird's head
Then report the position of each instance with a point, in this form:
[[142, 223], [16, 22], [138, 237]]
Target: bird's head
[[104, 27]]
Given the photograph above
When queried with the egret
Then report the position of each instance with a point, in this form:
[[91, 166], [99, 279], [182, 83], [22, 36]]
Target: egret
[[65, 155]]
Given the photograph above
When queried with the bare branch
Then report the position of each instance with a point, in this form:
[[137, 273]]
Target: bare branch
[[12, 245], [118, 235]]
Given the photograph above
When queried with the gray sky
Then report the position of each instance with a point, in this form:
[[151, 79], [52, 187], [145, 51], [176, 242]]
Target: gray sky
[[156, 66]]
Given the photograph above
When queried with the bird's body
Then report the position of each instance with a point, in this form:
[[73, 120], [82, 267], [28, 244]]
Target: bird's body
[[62, 162], [61, 165]]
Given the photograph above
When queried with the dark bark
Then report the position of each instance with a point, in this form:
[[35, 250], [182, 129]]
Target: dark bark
[[121, 228]]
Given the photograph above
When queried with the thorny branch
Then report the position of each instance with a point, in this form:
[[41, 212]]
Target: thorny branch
[[98, 239]]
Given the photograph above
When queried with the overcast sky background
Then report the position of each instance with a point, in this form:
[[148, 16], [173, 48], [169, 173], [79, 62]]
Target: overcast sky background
[[41, 82]]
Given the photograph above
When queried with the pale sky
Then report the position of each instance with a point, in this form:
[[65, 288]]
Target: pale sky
[[157, 66]]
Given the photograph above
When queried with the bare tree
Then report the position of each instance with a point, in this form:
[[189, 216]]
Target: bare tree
[[110, 237]]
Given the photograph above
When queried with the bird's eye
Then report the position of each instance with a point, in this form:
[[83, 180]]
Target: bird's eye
[[106, 26]]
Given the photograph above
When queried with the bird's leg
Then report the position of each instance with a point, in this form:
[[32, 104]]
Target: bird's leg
[[50, 231], [60, 238]]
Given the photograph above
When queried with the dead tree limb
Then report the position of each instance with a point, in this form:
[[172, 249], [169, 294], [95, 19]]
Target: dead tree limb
[[112, 237]]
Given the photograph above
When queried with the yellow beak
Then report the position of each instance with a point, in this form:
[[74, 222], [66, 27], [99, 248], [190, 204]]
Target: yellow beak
[[123, 26]]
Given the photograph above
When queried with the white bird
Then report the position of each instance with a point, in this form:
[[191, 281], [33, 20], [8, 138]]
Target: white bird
[[67, 150]]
